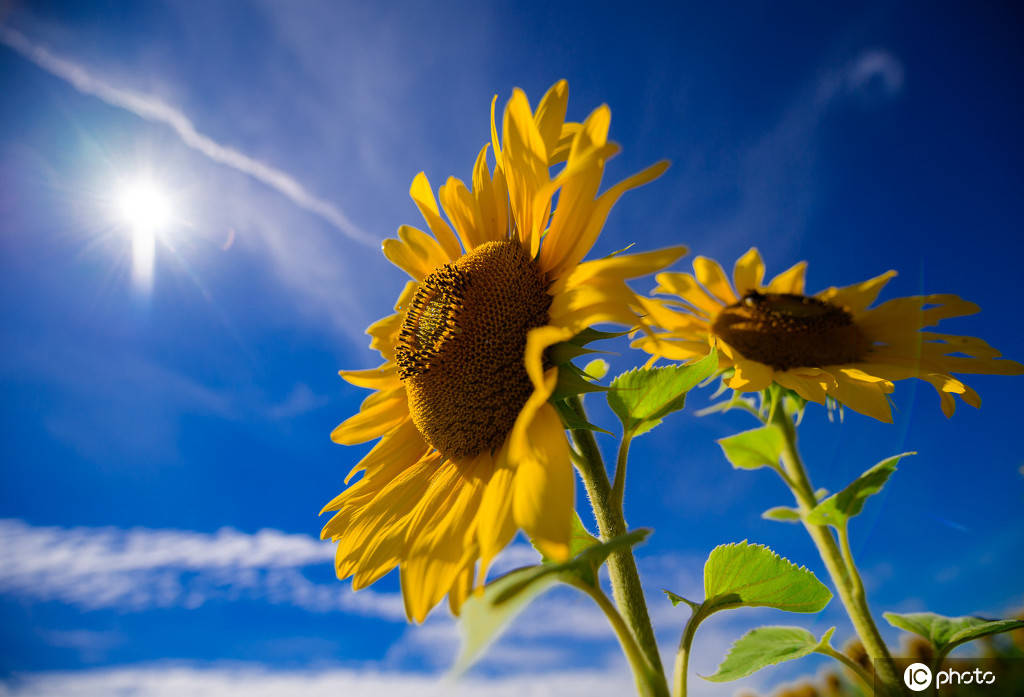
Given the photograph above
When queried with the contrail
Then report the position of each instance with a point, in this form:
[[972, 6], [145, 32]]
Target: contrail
[[154, 110]]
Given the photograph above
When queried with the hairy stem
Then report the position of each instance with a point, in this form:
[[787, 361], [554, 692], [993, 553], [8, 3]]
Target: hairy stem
[[861, 674], [626, 588], [844, 575], [646, 683], [682, 663]]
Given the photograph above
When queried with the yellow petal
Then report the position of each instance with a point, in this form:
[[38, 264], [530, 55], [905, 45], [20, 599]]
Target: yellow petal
[[686, 287], [544, 497], [551, 114], [858, 297], [374, 421], [622, 266], [748, 273], [491, 200], [495, 524], [868, 398], [524, 158], [751, 376], [710, 274], [789, 281], [382, 377], [423, 196], [602, 207], [462, 209]]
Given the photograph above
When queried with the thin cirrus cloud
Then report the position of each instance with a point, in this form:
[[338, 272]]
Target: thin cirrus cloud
[[154, 110], [252, 681], [141, 568]]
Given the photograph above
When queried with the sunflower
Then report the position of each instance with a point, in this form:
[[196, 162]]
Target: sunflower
[[832, 344], [470, 448]]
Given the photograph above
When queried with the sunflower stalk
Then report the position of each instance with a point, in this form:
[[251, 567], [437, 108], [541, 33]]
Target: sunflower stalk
[[622, 570], [840, 566]]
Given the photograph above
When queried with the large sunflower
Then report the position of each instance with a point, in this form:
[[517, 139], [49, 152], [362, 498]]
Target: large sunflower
[[470, 450], [830, 344]]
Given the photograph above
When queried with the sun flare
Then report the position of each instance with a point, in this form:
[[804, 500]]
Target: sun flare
[[143, 206]]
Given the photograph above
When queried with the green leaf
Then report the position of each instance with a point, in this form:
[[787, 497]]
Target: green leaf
[[485, 615], [783, 514], [840, 507], [763, 647], [642, 397], [675, 599], [742, 574], [588, 335], [579, 539], [596, 369], [751, 450], [946, 633], [573, 381], [563, 352], [573, 421]]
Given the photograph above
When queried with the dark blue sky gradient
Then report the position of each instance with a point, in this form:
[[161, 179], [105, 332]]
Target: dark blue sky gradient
[[860, 137]]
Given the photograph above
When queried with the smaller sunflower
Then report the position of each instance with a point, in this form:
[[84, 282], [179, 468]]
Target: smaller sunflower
[[832, 344]]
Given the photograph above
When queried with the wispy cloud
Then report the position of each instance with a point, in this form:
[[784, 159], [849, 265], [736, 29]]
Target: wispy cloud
[[152, 109], [253, 681], [141, 568]]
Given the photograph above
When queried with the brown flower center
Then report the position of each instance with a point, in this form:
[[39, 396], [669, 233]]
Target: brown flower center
[[460, 350], [786, 331]]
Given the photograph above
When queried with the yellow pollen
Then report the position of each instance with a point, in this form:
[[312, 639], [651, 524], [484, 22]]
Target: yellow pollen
[[784, 331], [460, 350]]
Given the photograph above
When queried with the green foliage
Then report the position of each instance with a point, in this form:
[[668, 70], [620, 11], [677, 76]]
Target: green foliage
[[759, 447], [946, 633], [765, 646], [742, 574], [837, 509], [642, 397], [783, 514], [573, 421], [485, 615], [573, 381], [676, 599]]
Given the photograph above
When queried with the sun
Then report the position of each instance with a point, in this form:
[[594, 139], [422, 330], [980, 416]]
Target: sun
[[145, 210], [144, 206]]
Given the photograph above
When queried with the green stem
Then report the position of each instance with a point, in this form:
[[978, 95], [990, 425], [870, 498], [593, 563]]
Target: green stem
[[681, 668], [843, 573], [626, 588], [850, 664], [619, 485], [641, 669]]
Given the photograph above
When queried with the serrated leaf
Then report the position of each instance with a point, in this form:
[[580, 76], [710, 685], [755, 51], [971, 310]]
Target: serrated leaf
[[841, 506], [946, 633], [642, 397], [763, 647], [756, 448], [742, 574], [484, 615], [783, 514]]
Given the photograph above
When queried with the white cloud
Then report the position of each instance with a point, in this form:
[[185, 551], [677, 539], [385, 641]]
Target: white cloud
[[246, 681], [152, 109], [142, 568]]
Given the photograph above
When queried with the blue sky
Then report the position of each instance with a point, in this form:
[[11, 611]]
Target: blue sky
[[166, 451]]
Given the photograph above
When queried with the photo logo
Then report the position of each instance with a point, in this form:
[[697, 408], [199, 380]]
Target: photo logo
[[917, 677]]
